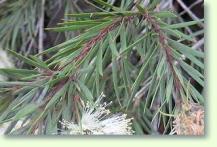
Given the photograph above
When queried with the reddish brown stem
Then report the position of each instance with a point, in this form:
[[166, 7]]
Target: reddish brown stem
[[168, 51], [87, 47]]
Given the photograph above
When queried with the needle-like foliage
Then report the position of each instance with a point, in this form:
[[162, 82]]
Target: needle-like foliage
[[144, 64]]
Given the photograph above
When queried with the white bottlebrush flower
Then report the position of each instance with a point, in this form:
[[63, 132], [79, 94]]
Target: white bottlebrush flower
[[97, 120]]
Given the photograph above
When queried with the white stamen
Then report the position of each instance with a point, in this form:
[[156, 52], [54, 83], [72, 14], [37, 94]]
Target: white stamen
[[97, 120]]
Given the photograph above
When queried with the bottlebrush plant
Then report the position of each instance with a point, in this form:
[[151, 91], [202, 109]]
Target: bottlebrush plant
[[138, 56]]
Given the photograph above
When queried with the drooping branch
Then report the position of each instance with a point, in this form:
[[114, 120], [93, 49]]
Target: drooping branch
[[156, 28], [87, 47], [167, 49]]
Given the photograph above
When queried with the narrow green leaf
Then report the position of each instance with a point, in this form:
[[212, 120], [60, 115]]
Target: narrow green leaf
[[133, 44], [112, 44], [103, 14], [15, 35], [190, 53], [115, 77], [141, 74], [164, 14], [76, 41], [107, 5], [8, 84], [84, 22], [169, 88], [99, 62], [28, 109], [27, 60], [141, 9], [196, 94], [39, 61], [13, 72], [185, 49], [153, 4], [123, 37], [178, 34], [85, 91], [24, 98], [193, 72], [184, 24], [138, 128], [70, 28], [156, 90], [56, 97], [161, 66]]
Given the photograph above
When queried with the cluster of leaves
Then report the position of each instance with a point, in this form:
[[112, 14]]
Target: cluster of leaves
[[150, 88], [22, 24], [18, 23]]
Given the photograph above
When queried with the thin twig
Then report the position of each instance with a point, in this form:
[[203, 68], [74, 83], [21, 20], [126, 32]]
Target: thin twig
[[96, 39], [41, 30], [198, 44], [192, 15], [191, 6]]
